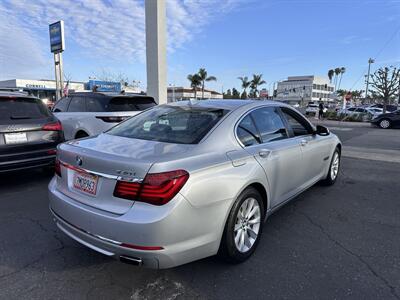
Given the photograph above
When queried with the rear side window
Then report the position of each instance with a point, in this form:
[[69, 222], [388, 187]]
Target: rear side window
[[14, 109], [170, 124], [77, 104], [95, 104], [62, 105], [130, 103], [269, 123], [247, 132]]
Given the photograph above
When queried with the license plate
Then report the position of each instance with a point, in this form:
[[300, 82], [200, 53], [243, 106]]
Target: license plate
[[15, 138], [85, 183]]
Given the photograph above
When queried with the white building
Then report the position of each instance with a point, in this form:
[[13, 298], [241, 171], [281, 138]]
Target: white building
[[182, 93], [43, 89], [303, 89]]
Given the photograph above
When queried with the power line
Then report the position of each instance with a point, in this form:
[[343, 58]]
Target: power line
[[377, 55]]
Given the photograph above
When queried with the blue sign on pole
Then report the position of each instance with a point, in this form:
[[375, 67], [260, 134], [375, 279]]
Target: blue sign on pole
[[104, 86], [56, 31]]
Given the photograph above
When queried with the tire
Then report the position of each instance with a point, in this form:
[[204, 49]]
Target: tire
[[334, 168], [384, 124], [238, 245], [81, 134]]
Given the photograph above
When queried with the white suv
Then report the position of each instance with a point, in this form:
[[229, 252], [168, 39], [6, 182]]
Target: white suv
[[90, 113]]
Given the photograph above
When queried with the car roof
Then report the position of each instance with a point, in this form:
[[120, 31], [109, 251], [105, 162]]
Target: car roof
[[229, 104], [15, 94], [107, 94]]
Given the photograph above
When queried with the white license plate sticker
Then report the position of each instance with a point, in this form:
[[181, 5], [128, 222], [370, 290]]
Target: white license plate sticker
[[15, 138], [85, 183]]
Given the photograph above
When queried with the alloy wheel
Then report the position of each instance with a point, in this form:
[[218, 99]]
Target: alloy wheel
[[247, 225], [335, 165], [384, 124]]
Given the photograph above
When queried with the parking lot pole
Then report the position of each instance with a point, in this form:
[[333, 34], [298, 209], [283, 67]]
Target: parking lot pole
[[58, 69], [156, 55]]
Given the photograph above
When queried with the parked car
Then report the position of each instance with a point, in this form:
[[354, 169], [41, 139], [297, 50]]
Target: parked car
[[371, 112], [389, 107], [313, 108], [89, 113], [187, 180], [29, 132], [387, 120]]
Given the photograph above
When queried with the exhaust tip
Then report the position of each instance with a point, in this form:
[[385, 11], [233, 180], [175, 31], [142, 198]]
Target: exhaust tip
[[131, 260]]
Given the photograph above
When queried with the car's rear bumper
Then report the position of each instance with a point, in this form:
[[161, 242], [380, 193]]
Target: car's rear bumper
[[26, 160], [183, 232]]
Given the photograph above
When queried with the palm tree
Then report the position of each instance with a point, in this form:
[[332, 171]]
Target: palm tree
[[195, 82], [331, 72], [337, 72], [245, 83], [203, 78], [342, 71], [255, 83]]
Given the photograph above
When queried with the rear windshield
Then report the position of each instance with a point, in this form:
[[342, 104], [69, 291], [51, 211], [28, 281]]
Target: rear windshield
[[170, 124], [14, 109]]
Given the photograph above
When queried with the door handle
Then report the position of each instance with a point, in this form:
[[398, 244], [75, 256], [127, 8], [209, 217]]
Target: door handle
[[303, 142], [264, 153]]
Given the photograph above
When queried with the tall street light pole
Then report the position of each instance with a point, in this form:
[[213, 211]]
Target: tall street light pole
[[370, 61]]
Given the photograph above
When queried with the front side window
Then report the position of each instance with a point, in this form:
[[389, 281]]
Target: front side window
[[247, 132], [77, 104], [269, 123], [296, 122], [170, 124], [62, 105]]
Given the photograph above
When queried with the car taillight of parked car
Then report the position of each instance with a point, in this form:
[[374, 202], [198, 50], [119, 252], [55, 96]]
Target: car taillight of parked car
[[156, 188], [112, 119], [57, 167], [55, 126]]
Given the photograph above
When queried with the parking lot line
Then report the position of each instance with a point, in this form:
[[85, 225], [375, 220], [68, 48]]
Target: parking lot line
[[372, 154]]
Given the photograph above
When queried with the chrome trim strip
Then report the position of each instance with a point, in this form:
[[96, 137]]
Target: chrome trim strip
[[108, 176]]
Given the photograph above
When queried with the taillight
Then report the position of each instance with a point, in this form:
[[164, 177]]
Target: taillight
[[127, 190], [156, 189], [57, 168], [112, 119], [56, 126]]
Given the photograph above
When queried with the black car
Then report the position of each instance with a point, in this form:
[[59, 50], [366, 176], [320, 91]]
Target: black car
[[29, 132], [387, 120]]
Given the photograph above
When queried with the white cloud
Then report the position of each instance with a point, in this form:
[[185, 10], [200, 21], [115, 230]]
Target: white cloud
[[106, 29]]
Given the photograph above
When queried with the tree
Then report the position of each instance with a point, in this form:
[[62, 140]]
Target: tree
[[203, 78], [244, 95], [245, 84], [235, 94], [255, 83], [337, 72], [341, 93], [342, 71], [331, 72], [228, 94], [195, 82], [385, 83]]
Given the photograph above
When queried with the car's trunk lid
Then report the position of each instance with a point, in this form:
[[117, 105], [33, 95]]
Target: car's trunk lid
[[109, 157]]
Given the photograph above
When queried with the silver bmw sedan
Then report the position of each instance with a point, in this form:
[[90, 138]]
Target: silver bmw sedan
[[184, 181]]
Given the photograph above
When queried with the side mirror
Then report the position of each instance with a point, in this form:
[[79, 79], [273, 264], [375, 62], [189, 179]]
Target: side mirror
[[322, 130]]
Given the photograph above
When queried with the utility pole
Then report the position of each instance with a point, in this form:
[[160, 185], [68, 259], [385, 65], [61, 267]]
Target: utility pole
[[370, 61]]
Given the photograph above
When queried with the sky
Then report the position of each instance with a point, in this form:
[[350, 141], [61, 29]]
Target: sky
[[230, 38]]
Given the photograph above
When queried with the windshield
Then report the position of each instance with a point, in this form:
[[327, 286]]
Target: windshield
[[21, 108], [170, 124]]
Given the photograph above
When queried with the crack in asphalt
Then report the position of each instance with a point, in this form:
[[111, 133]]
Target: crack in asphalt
[[348, 251]]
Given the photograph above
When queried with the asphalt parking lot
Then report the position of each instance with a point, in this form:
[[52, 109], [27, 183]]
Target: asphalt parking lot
[[339, 242]]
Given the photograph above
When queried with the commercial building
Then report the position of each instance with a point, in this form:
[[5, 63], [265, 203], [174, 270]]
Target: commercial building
[[46, 89], [42, 88], [303, 89], [182, 93]]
